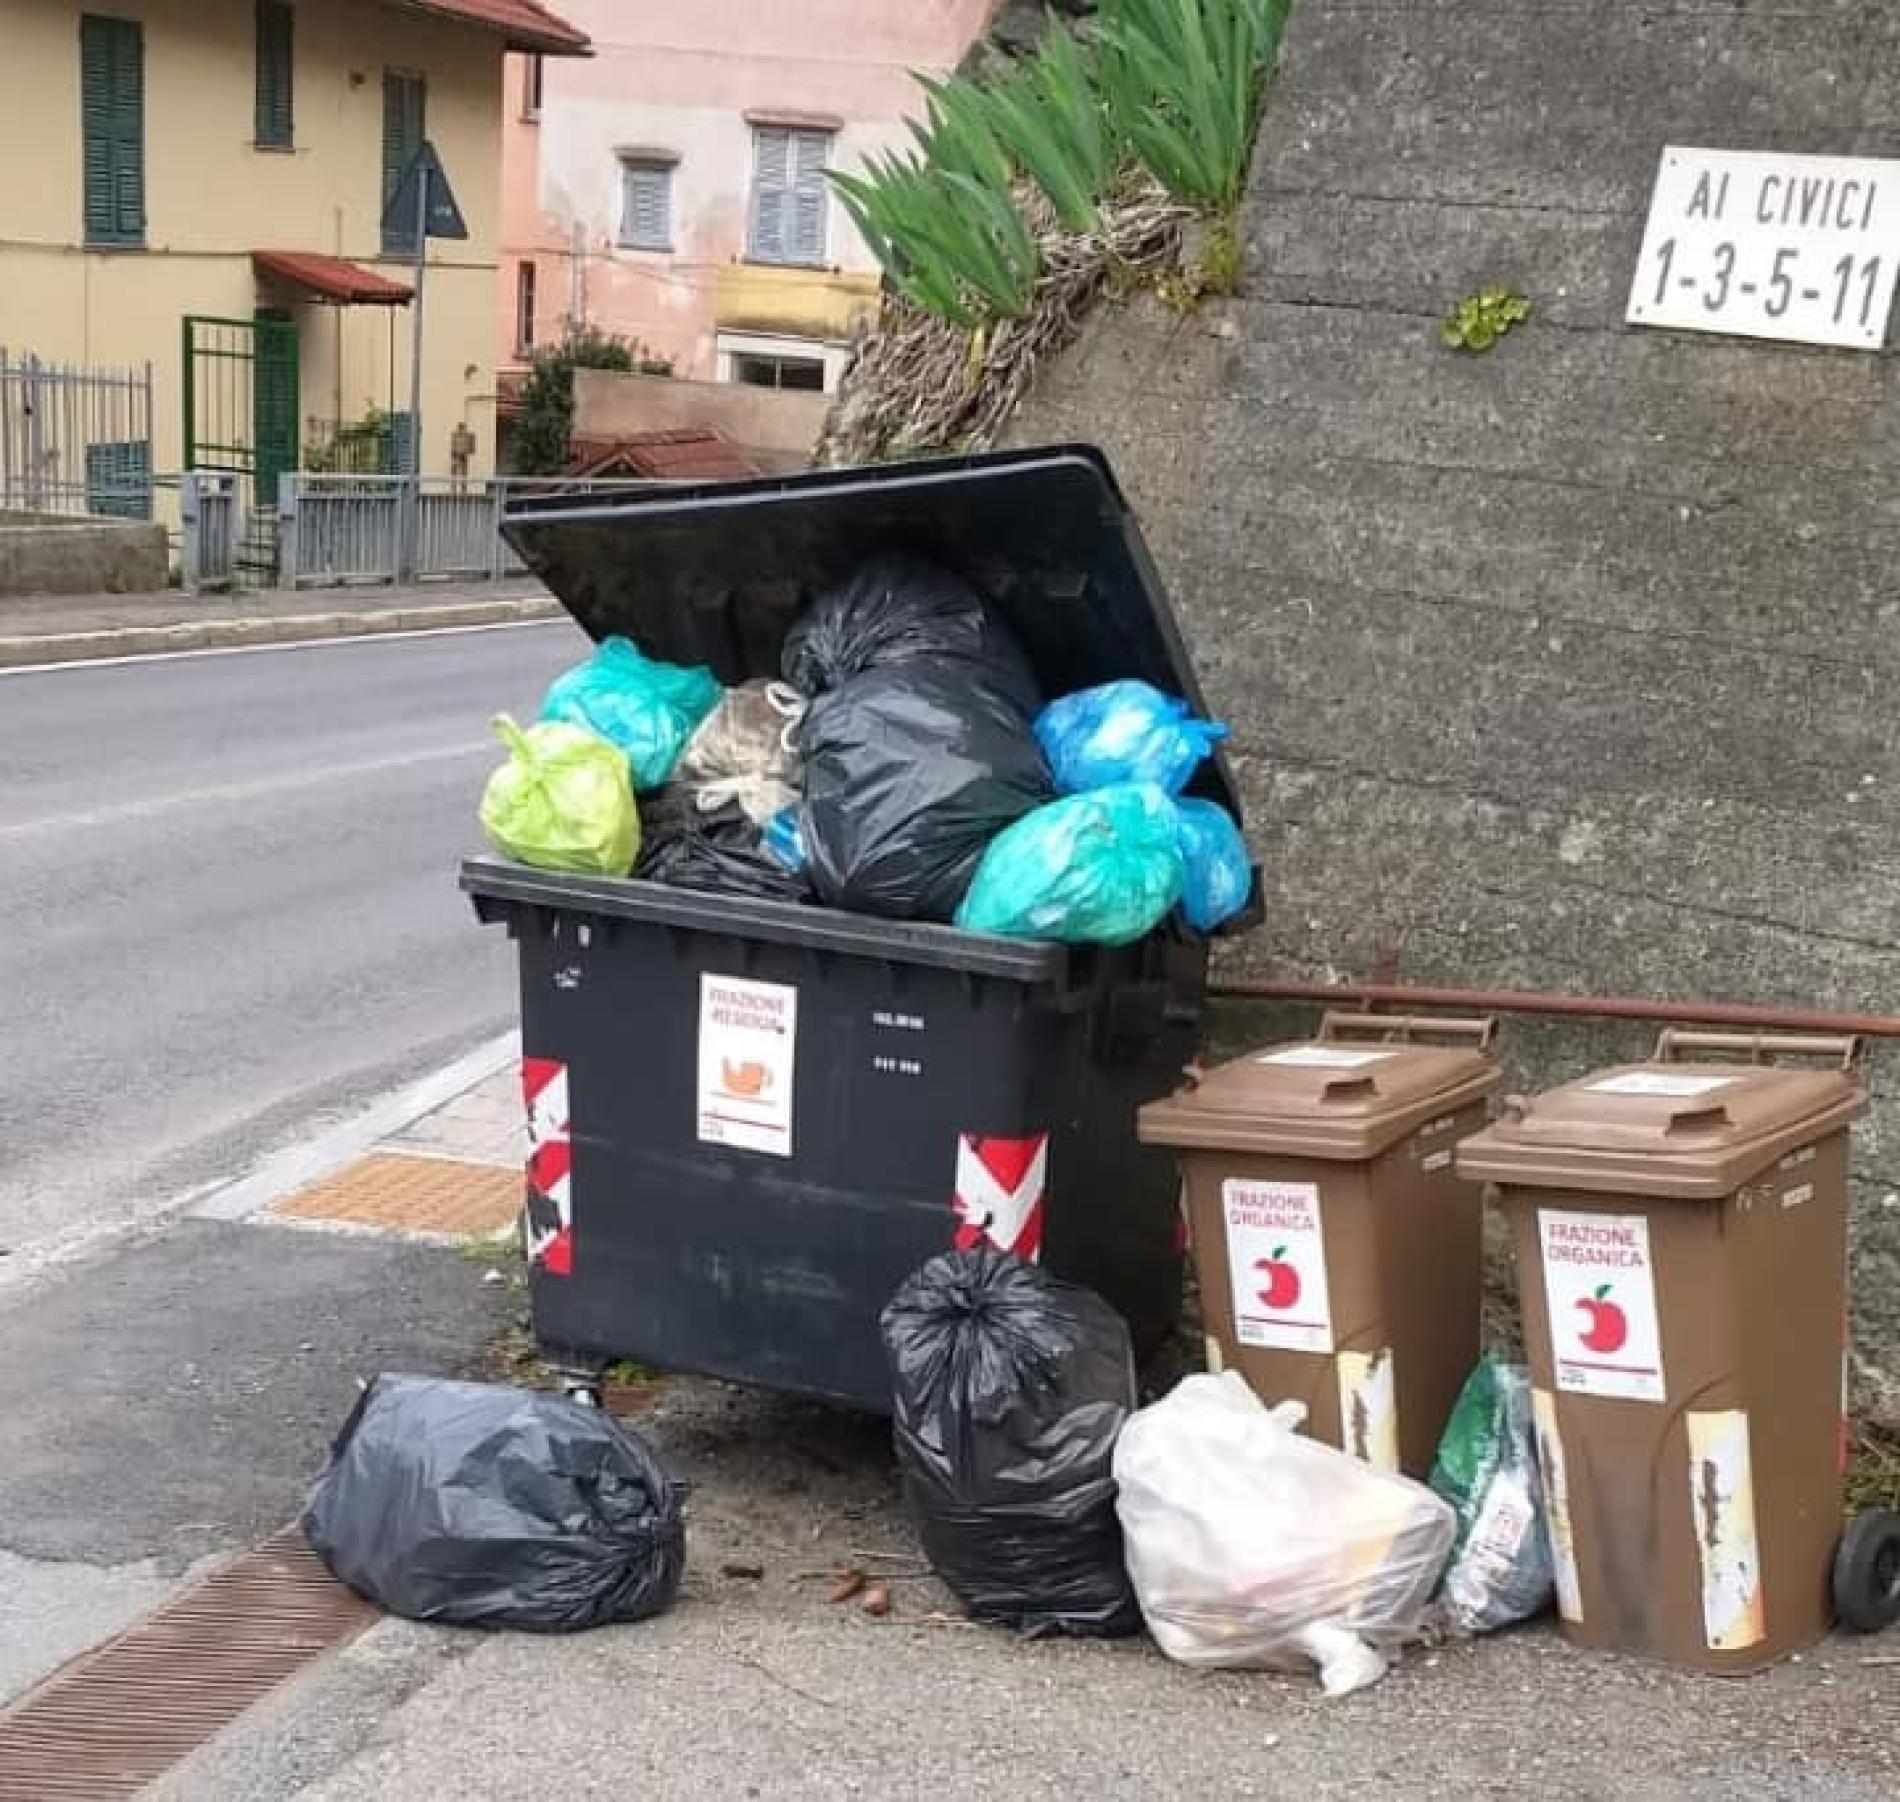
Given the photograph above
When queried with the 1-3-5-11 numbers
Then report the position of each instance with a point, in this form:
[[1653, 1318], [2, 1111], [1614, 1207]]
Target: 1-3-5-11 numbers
[[1852, 277]]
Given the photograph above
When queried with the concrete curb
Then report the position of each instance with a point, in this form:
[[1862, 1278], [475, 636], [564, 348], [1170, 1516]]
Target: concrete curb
[[289, 628], [279, 1173]]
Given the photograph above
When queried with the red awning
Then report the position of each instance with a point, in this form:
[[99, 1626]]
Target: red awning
[[330, 278], [525, 24]]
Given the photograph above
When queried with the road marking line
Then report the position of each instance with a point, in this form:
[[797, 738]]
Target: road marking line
[[333, 643], [225, 793]]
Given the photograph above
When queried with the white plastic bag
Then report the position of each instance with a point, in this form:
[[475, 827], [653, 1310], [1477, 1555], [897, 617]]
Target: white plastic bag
[[746, 750], [1249, 1544]]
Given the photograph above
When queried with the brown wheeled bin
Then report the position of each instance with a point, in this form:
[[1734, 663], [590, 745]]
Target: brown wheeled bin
[[1336, 1247], [1681, 1232]]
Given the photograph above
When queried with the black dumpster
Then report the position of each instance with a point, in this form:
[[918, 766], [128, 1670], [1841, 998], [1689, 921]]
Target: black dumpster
[[751, 1119]]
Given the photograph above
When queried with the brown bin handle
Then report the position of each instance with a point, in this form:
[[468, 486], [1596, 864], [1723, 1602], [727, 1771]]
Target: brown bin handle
[[1409, 1028], [1760, 1047]]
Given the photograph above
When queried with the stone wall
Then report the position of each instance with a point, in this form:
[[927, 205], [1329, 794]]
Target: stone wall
[[1573, 665], [58, 553]]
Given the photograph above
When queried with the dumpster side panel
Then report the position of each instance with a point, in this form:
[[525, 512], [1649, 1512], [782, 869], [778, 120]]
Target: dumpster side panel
[[1115, 1222], [928, 1107]]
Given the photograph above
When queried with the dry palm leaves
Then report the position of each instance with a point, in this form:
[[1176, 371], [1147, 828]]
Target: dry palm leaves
[[917, 383]]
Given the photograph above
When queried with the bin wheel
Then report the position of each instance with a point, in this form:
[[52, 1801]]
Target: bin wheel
[[1867, 1571], [587, 1394]]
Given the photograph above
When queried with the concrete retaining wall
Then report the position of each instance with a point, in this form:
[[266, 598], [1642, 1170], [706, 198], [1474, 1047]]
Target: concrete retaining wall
[[1573, 665], [51, 553]]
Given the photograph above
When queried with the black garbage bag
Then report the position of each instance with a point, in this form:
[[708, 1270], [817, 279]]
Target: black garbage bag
[[1010, 1389], [896, 608], [721, 850], [484, 1506], [909, 773]]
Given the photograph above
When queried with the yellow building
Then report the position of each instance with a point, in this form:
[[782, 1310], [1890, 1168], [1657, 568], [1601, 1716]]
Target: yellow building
[[201, 184]]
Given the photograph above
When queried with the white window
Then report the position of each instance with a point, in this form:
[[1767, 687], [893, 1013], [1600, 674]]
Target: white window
[[765, 360], [806, 373], [789, 199], [646, 203]]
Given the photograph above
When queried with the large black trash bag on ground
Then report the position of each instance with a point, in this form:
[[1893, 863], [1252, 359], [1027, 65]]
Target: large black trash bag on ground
[[720, 850], [484, 1506], [909, 773], [1010, 1389], [895, 609]]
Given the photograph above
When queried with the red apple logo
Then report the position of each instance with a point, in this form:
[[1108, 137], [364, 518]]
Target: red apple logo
[[1283, 1281], [1609, 1328]]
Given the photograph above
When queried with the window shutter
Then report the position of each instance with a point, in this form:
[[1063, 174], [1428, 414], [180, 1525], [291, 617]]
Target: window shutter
[[276, 62], [809, 198], [646, 209], [405, 106], [112, 123], [771, 192]]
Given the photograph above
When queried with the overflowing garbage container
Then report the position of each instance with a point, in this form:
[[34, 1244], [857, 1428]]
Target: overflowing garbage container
[[1681, 1233], [753, 1114], [1336, 1247]]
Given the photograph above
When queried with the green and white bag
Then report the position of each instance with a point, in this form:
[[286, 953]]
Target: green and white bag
[[1500, 1569]]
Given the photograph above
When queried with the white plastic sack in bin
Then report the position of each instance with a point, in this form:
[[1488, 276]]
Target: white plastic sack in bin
[[1249, 1544]]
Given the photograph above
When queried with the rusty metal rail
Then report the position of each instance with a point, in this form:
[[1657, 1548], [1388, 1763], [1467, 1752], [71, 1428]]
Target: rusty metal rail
[[1747, 1015]]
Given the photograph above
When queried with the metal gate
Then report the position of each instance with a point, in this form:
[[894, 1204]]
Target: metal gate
[[241, 399], [75, 439]]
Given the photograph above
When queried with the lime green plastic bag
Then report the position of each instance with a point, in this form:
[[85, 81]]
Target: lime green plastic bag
[[562, 801]]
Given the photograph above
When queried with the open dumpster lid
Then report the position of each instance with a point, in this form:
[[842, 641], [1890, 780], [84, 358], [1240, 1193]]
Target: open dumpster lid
[[714, 573]]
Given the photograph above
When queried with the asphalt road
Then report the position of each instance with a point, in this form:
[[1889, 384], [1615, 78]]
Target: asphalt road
[[228, 912]]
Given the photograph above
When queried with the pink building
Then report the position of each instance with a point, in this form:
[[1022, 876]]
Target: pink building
[[670, 188]]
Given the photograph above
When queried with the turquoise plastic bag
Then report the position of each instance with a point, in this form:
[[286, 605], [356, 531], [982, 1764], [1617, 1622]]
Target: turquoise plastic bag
[[648, 709], [1125, 731], [1217, 873], [562, 801], [1102, 868]]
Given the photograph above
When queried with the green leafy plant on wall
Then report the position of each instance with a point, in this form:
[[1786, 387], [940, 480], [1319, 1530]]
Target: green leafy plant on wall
[[1479, 320], [1169, 90], [539, 445], [1184, 80]]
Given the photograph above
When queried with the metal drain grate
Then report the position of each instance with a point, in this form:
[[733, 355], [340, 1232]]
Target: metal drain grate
[[118, 1717]]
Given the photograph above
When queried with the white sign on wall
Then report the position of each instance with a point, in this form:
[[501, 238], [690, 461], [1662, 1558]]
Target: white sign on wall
[[1770, 246]]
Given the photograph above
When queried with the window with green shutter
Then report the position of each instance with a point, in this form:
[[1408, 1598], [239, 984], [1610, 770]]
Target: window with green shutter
[[789, 200], [276, 74], [405, 108], [112, 123]]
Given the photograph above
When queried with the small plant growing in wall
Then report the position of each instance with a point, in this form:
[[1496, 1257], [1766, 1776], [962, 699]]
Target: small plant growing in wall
[[547, 397], [1479, 320]]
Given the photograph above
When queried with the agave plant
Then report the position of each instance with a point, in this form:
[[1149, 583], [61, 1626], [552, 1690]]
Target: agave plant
[[1184, 80], [1050, 117], [952, 242]]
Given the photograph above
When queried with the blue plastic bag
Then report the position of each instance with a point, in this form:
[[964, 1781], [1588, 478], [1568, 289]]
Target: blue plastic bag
[[1102, 868], [782, 840], [1217, 880], [648, 709], [1124, 732]]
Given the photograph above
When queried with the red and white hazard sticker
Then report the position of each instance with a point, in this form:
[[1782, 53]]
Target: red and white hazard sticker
[[548, 1221], [1002, 1185]]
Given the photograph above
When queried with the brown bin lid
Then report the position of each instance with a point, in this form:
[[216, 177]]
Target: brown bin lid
[[1696, 1131], [1322, 1098]]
